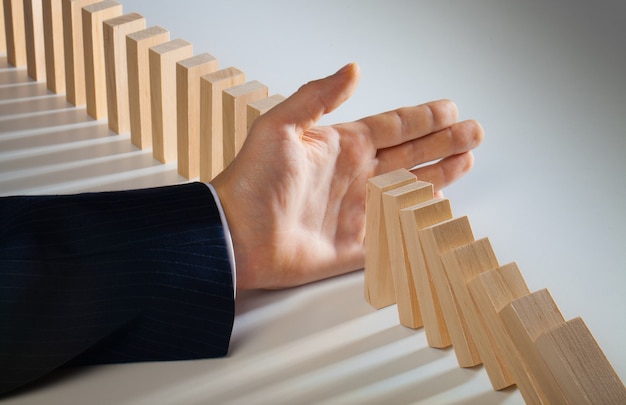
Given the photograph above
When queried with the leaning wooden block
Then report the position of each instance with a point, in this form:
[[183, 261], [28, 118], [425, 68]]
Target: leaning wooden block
[[579, 365], [53, 44], [35, 48], [403, 282], [260, 107], [163, 60], [413, 219], [436, 240], [139, 93], [378, 280], [15, 32], [188, 73], [116, 68]]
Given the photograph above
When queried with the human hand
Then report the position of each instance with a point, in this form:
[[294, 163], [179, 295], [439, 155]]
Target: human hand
[[294, 197]]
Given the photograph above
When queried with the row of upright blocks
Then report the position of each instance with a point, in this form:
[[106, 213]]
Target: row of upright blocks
[[182, 106], [441, 278]]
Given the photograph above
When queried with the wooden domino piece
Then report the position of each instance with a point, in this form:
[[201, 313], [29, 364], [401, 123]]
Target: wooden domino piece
[[53, 45], [115, 31], [413, 219], [188, 73], [435, 241], [163, 60], [35, 48], [139, 92], [15, 32], [462, 265], [378, 280], [211, 119], [404, 285], [93, 36], [234, 114], [260, 107], [579, 365]]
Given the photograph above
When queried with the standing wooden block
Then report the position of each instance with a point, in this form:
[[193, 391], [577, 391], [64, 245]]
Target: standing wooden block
[[188, 73], [492, 291], [378, 280], [437, 240], [93, 34], [53, 44], [403, 282], [260, 107], [211, 119], [116, 68], [413, 219], [462, 265], [73, 50], [163, 60], [139, 99], [579, 365], [15, 32], [35, 48], [235, 109]]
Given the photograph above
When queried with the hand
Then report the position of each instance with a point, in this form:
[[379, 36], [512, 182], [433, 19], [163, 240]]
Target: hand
[[294, 197]]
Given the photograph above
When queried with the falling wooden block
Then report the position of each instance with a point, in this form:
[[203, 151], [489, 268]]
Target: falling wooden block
[[139, 98], [260, 107], [413, 219], [93, 35], [492, 291], [3, 38], [163, 60], [188, 73], [116, 68], [74, 50], [437, 240], [53, 45], [378, 280], [462, 265], [35, 48], [15, 32], [211, 119], [234, 114], [404, 285]]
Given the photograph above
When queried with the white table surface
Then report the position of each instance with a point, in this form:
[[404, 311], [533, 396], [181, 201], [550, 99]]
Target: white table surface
[[546, 80]]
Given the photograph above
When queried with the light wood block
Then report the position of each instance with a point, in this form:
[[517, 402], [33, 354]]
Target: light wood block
[[15, 32], [403, 282], [413, 219], [116, 68], [579, 365], [436, 240], [211, 119], [74, 50], [93, 35], [35, 48], [235, 115], [53, 45], [462, 265], [3, 37], [378, 280], [188, 73], [260, 107], [139, 99], [492, 291], [163, 60]]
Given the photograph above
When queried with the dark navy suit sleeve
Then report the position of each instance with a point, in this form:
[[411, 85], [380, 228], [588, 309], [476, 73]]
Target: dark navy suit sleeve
[[126, 276]]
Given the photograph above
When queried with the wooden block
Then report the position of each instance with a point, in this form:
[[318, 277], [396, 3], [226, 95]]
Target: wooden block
[[188, 73], [492, 291], [525, 319], [93, 35], [74, 50], [378, 280], [35, 48], [579, 365], [139, 100], [116, 68], [211, 119], [234, 114], [436, 240], [413, 219], [15, 32], [3, 38], [163, 60], [403, 282], [462, 265], [53, 44], [260, 107]]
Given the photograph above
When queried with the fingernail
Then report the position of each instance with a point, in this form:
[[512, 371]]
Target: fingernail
[[345, 68]]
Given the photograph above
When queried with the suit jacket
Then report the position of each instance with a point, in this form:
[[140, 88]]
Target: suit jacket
[[126, 276]]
